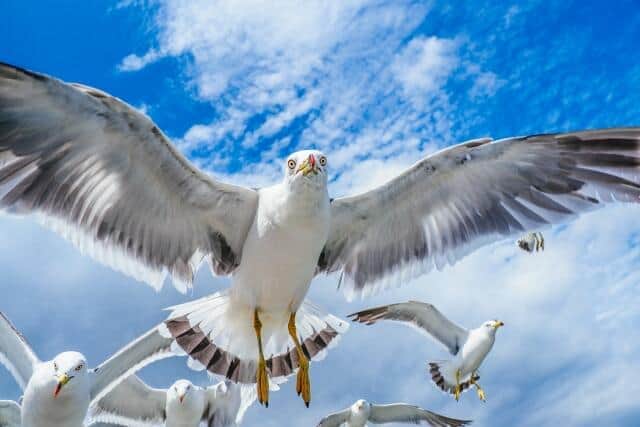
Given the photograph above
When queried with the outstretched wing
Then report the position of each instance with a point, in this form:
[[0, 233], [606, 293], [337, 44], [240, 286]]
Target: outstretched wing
[[403, 413], [471, 194], [9, 414], [146, 349], [15, 353], [425, 317], [103, 174], [337, 419], [227, 403], [132, 403]]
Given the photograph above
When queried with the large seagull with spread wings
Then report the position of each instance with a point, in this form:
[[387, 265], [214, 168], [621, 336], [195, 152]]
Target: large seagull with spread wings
[[102, 173]]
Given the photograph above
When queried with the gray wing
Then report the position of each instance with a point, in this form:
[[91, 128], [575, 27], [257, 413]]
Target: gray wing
[[15, 353], [146, 349], [9, 414], [460, 198], [337, 419], [425, 317], [102, 174], [403, 413], [132, 403], [228, 402]]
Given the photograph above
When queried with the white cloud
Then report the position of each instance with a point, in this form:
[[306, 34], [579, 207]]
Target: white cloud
[[134, 62]]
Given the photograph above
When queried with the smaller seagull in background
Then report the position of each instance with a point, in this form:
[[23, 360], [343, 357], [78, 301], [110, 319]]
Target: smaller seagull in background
[[58, 392], [9, 413], [363, 412], [470, 347], [133, 403], [531, 242]]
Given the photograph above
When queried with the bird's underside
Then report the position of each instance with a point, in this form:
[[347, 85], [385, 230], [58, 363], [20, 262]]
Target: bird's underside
[[93, 168]]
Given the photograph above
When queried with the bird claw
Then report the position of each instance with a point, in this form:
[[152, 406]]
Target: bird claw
[[262, 383], [481, 394], [303, 383]]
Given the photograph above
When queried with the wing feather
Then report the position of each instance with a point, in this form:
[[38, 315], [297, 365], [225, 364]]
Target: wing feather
[[337, 419], [15, 353], [425, 317], [132, 403], [148, 348], [9, 414], [403, 413], [102, 174], [466, 196]]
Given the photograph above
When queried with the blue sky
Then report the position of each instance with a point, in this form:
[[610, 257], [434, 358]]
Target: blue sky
[[376, 85]]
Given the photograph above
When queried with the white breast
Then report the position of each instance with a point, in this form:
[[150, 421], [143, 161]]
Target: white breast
[[474, 350], [282, 249]]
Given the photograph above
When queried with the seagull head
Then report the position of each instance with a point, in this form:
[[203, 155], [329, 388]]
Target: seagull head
[[69, 370], [492, 326], [361, 406], [182, 391], [306, 168]]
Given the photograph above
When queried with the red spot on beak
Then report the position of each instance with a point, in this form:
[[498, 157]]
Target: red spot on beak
[[312, 160], [56, 392]]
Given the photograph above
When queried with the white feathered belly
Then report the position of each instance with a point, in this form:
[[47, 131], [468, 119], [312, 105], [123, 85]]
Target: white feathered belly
[[40, 409], [278, 265], [473, 354]]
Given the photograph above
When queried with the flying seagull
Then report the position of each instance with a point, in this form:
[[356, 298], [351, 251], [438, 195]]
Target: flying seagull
[[133, 403], [469, 347], [57, 393], [94, 168], [9, 413], [363, 412], [531, 242]]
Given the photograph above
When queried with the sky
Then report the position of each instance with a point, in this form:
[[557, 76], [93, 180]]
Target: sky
[[376, 85]]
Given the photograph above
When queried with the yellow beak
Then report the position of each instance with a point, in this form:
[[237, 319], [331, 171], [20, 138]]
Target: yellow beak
[[62, 381], [498, 324], [306, 168]]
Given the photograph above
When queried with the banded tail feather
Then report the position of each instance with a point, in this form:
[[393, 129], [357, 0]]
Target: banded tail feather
[[203, 330], [447, 385]]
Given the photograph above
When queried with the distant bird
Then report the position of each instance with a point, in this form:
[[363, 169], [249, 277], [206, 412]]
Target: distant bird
[[363, 412], [9, 413], [133, 403], [103, 174], [57, 393], [470, 347], [531, 242]]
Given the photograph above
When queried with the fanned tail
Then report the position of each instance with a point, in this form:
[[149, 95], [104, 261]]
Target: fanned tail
[[443, 376], [216, 332]]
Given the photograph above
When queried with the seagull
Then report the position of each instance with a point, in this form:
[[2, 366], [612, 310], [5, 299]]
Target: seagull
[[9, 413], [134, 403], [469, 347], [92, 167], [362, 412], [531, 242], [57, 393]]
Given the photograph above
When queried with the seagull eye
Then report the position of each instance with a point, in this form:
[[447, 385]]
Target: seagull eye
[[323, 161], [78, 367], [55, 366], [291, 163]]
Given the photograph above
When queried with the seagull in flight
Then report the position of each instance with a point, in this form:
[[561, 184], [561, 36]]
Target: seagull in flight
[[133, 403], [363, 412], [94, 169], [469, 347], [57, 393]]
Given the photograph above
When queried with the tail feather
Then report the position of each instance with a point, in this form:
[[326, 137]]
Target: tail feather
[[443, 377], [217, 335]]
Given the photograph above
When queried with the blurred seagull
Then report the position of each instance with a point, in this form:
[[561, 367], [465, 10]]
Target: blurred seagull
[[57, 393], [363, 412], [470, 347], [133, 403], [9, 413], [531, 242], [94, 168]]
